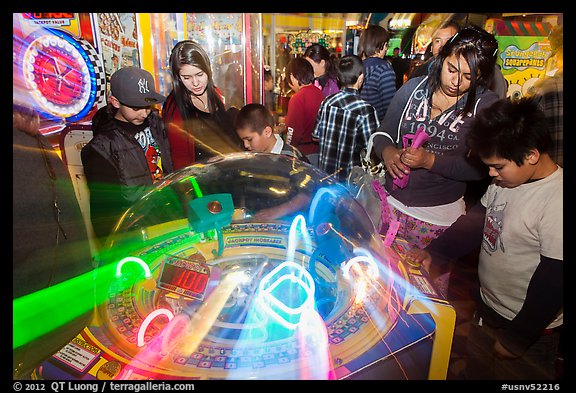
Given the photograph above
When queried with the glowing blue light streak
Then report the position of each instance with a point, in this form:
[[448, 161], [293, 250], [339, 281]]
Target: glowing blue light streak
[[319, 194], [270, 303], [299, 222]]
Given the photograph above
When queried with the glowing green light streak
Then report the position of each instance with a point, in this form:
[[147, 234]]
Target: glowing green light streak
[[40, 312], [196, 187]]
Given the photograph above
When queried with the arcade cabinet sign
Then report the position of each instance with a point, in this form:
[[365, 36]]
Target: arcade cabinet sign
[[49, 18], [63, 73], [523, 50]]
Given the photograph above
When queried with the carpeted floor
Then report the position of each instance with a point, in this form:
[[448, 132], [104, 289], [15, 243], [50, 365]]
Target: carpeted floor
[[463, 286]]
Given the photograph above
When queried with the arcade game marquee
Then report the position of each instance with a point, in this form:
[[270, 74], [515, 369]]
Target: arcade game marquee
[[248, 266], [61, 62]]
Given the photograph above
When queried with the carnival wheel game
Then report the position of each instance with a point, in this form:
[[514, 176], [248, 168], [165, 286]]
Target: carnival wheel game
[[252, 266], [64, 74]]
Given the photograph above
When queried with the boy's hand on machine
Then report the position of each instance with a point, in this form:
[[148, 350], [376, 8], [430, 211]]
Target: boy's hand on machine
[[419, 258]]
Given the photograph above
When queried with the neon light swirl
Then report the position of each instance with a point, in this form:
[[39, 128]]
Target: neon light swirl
[[149, 319], [139, 261]]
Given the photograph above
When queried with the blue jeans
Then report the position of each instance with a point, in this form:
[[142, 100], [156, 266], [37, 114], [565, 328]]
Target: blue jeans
[[537, 363]]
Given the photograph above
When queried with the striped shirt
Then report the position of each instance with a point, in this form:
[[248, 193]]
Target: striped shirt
[[343, 127], [379, 84]]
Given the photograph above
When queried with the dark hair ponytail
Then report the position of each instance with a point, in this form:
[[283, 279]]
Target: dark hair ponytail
[[317, 52]]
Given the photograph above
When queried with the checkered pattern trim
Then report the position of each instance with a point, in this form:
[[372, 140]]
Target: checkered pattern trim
[[98, 64]]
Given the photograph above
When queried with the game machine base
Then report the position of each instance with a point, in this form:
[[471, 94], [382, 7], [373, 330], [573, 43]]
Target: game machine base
[[255, 266]]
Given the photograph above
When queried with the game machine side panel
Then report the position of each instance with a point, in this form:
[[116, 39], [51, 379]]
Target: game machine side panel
[[523, 51], [425, 299], [157, 34], [418, 346]]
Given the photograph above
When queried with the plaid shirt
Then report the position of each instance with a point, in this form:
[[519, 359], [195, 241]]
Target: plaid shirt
[[550, 97], [343, 128]]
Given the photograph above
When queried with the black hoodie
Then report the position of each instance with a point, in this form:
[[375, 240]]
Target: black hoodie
[[116, 167]]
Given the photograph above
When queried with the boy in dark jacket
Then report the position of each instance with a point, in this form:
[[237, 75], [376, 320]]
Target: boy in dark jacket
[[129, 151]]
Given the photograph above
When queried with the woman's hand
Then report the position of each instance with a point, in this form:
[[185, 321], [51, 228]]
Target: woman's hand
[[417, 158], [391, 157]]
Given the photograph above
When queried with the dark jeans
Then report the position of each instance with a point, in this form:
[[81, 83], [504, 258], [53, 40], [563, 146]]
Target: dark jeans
[[537, 363]]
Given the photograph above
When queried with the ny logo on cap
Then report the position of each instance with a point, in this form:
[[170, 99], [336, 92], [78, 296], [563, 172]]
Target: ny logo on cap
[[143, 86]]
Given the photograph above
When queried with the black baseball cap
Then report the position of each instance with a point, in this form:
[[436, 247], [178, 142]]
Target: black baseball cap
[[133, 86]]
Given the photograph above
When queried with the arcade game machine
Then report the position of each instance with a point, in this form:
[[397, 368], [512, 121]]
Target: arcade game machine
[[233, 42], [254, 266], [63, 61], [291, 45], [523, 51], [58, 72], [58, 69], [401, 33], [290, 34]]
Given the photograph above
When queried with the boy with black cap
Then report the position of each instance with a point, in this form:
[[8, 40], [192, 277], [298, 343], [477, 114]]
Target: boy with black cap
[[129, 151]]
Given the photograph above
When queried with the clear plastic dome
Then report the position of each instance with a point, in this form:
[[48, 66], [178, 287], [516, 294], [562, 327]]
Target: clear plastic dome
[[248, 256]]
